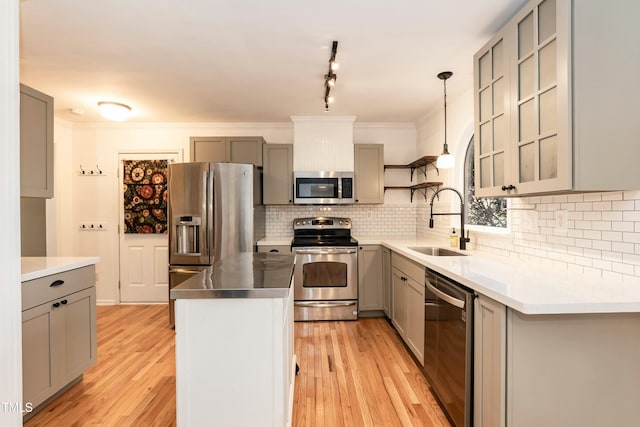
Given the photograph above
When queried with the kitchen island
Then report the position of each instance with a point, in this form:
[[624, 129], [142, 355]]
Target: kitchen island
[[550, 347], [234, 343]]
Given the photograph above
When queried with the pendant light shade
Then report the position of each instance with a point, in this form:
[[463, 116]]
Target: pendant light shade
[[445, 160]]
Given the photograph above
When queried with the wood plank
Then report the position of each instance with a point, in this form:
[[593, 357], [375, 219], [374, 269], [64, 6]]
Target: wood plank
[[352, 373]]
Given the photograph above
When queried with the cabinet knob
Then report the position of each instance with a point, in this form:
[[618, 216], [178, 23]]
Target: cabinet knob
[[56, 304], [357, 200], [508, 187]]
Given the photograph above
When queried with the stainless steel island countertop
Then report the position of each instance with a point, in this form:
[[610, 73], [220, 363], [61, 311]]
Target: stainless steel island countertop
[[246, 275]]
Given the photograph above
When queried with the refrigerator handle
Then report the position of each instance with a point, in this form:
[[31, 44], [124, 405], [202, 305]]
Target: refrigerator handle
[[208, 211]]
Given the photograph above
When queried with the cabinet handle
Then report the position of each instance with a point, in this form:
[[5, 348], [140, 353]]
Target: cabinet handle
[[63, 302], [56, 304], [508, 187], [274, 250], [56, 283]]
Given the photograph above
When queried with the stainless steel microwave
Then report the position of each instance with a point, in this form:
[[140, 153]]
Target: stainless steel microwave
[[323, 188]]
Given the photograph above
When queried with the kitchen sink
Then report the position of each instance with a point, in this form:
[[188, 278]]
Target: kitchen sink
[[435, 251]]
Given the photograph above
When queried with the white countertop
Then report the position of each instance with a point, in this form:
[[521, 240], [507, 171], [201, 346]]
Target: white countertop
[[528, 289], [275, 241], [37, 267]]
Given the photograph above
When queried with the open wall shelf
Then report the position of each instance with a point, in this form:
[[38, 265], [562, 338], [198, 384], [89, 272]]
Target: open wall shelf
[[420, 164], [422, 188]]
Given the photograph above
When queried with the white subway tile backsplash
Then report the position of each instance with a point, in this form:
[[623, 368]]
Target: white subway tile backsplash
[[614, 195], [602, 237], [623, 205], [592, 197]]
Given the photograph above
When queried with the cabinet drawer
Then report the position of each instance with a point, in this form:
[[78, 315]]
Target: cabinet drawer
[[408, 267], [39, 291]]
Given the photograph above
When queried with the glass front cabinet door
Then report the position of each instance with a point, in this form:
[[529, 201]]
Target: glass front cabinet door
[[522, 104]]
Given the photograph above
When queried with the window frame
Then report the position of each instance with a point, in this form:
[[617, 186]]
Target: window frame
[[468, 167]]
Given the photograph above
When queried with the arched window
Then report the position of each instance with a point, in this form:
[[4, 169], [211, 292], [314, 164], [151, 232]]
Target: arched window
[[484, 212]]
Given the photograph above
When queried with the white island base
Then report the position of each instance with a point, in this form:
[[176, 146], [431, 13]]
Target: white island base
[[235, 364]]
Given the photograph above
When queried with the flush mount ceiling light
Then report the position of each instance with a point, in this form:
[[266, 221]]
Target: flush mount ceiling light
[[114, 111], [330, 77], [446, 160]]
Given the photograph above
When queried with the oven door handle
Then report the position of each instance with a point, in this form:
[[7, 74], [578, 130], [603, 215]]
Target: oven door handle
[[325, 251], [445, 297], [324, 304]]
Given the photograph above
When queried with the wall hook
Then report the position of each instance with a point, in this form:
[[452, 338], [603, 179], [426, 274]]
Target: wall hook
[[98, 170], [82, 171]]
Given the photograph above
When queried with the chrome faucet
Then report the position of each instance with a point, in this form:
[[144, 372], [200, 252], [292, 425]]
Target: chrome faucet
[[463, 240]]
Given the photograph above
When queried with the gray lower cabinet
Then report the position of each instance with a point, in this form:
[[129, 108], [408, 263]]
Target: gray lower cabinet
[[554, 369], [407, 313], [233, 149], [368, 173], [370, 296], [36, 143], [277, 174], [58, 332], [490, 320], [386, 281]]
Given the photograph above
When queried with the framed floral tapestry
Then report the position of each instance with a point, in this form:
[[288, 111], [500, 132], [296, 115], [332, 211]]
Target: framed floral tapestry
[[145, 196]]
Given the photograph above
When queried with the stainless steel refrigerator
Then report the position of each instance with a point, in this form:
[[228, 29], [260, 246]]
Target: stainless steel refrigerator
[[215, 211]]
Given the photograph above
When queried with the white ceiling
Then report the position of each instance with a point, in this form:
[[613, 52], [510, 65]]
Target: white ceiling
[[203, 61]]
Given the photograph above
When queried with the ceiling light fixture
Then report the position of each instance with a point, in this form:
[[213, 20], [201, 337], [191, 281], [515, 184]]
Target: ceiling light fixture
[[330, 77], [446, 160], [114, 111]]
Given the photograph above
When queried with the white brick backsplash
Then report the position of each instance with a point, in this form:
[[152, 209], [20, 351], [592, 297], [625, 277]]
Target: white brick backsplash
[[622, 226], [612, 216], [615, 195], [631, 195], [602, 238], [592, 197], [613, 236], [631, 215], [631, 237], [593, 216], [601, 225], [622, 268], [593, 235], [602, 245], [623, 247], [624, 205]]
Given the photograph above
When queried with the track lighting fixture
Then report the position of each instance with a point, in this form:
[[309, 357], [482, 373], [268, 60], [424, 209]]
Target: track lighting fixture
[[330, 77]]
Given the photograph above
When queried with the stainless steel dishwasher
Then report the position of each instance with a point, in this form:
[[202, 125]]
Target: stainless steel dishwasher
[[448, 345]]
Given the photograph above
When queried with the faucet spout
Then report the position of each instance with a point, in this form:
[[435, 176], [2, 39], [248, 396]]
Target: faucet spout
[[463, 240]]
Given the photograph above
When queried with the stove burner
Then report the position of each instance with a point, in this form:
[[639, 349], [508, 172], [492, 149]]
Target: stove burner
[[322, 231]]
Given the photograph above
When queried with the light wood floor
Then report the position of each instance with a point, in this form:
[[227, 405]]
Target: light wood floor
[[352, 374]]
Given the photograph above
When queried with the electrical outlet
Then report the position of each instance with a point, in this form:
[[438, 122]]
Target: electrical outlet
[[561, 220]]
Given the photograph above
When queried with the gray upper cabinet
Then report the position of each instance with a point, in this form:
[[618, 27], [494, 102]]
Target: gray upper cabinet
[[551, 116], [278, 174], [369, 173], [232, 149], [36, 143]]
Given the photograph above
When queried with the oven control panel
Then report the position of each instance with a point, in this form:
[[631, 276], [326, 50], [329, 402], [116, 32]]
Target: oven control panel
[[319, 223]]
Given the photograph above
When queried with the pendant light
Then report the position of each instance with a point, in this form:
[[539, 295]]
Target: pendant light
[[445, 160]]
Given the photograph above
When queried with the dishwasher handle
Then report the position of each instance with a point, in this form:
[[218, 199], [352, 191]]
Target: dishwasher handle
[[445, 297]]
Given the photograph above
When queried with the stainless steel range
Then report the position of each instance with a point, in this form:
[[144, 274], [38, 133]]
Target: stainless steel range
[[326, 273]]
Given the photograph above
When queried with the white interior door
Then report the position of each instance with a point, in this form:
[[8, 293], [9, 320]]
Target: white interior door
[[144, 258]]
